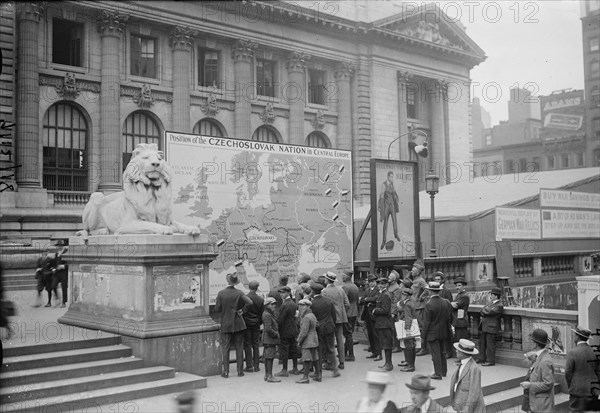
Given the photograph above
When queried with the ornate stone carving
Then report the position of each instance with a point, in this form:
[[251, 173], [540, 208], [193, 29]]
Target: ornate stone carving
[[69, 88], [268, 115], [344, 71], [404, 77], [144, 98], [182, 38], [296, 61], [430, 32], [57, 83], [243, 50], [132, 92], [110, 23], [211, 108], [318, 122], [31, 10]]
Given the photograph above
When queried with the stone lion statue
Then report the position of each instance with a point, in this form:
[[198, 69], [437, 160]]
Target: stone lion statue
[[144, 205]]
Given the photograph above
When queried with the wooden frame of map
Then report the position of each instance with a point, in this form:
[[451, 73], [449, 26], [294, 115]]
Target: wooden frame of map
[[269, 209], [394, 210]]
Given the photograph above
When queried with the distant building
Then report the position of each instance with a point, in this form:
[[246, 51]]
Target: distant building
[[522, 105], [481, 121], [590, 15]]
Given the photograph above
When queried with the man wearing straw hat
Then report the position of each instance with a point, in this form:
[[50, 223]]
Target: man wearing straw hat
[[377, 381], [541, 381], [436, 328], [420, 386], [465, 385], [582, 369]]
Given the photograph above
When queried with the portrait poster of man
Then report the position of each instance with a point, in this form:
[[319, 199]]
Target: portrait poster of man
[[394, 209]]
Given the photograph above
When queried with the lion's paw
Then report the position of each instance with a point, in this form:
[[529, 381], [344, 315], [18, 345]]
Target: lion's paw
[[168, 231], [193, 231]]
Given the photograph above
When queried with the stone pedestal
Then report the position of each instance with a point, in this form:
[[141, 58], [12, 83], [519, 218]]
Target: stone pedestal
[[588, 304], [150, 289]]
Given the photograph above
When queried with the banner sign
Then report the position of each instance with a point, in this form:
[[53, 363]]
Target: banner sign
[[554, 198], [517, 223], [270, 209], [570, 224]]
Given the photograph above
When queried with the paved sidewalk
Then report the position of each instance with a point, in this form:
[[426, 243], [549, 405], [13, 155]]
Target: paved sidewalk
[[249, 393]]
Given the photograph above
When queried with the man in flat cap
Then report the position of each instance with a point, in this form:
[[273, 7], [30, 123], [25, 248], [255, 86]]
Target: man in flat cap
[[253, 318], [342, 305], [274, 292], [460, 310], [308, 341], [582, 370], [270, 338], [383, 322], [541, 380], [368, 302], [230, 303], [324, 310], [489, 325], [288, 332], [436, 329]]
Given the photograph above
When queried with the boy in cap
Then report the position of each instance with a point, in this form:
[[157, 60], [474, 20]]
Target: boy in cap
[[420, 386], [582, 369], [253, 318], [465, 385], [489, 325], [270, 338], [374, 402], [541, 380], [308, 340]]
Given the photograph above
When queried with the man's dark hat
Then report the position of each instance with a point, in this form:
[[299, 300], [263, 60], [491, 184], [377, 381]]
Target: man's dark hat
[[460, 279], [539, 336], [372, 277], [316, 287], [420, 382], [383, 280], [496, 291], [285, 289]]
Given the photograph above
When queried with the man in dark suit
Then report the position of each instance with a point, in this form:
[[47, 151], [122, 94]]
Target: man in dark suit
[[436, 328], [253, 319], [324, 310], [541, 380], [230, 303], [368, 302], [489, 324], [445, 293], [420, 386], [342, 305], [460, 311], [582, 370], [288, 332], [351, 291], [274, 293], [383, 322]]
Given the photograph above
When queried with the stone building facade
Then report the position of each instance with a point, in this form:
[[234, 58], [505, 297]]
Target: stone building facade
[[84, 82]]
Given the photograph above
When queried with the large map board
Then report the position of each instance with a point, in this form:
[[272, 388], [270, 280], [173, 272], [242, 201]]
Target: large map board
[[271, 209]]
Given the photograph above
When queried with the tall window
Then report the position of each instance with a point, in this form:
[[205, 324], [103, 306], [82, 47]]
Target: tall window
[[316, 87], [143, 56], [208, 127], [550, 162], [564, 160], [594, 46], [318, 140], [208, 67], [594, 69], [265, 77], [265, 134], [595, 100], [510, 166], [596, 127], [536, 164], [411, 101], [138, 128], [579, 159], [64, 137], [67, 37], [596, 157], [522, 165], [488, 139]]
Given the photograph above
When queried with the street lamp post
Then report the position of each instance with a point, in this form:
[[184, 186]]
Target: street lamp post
[[432, 186]]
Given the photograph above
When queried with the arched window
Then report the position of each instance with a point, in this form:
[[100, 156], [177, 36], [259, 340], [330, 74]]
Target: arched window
[[64, 151], [266, 134], [208, 127], [138, 128], [318, 140]]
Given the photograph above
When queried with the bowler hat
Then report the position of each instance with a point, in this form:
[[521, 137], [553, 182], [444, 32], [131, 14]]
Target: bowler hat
[[434, 286], [330, 276], [304, 301], [383, 280], [466, 346], [317, 287], [539, 336], [372, 277], [582, 332], [419, 264], [420, 382], [496, 291], [378, 377], [270, 300], [232, 278], [461, 280]]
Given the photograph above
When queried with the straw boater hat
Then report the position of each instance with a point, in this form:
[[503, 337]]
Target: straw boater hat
[[330, 276], [420, 382], [539, 336], [232, 278], [466, 346], [434, 286], [582, 332], [378, 377]]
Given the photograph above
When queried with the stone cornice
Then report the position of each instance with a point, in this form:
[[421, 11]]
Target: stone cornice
[[111, 23], [57, 82], [243, 50]]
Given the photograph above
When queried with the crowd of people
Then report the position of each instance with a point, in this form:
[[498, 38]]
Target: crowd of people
[[308, 324]]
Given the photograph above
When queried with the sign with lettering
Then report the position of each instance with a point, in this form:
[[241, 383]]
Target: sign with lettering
[[570, 224], [517, 223], [555, 198]]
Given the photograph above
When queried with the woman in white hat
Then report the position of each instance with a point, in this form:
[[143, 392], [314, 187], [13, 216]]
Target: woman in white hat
[[465, 385], [374, 402]]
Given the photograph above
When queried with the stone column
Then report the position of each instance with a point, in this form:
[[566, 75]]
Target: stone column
[[296, 96], [110, 25], [243, 59], [343, 74], [437, 146], [181, 42], [28, 100], [444, 92], [403, 79]]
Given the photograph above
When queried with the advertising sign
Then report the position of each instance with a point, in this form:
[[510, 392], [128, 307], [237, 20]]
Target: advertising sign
[[555, 198], [271, 209], [394, 209], [570, 224], [517, 223]]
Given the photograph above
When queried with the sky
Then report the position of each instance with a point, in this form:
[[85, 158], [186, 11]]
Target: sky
[[536, 45]]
